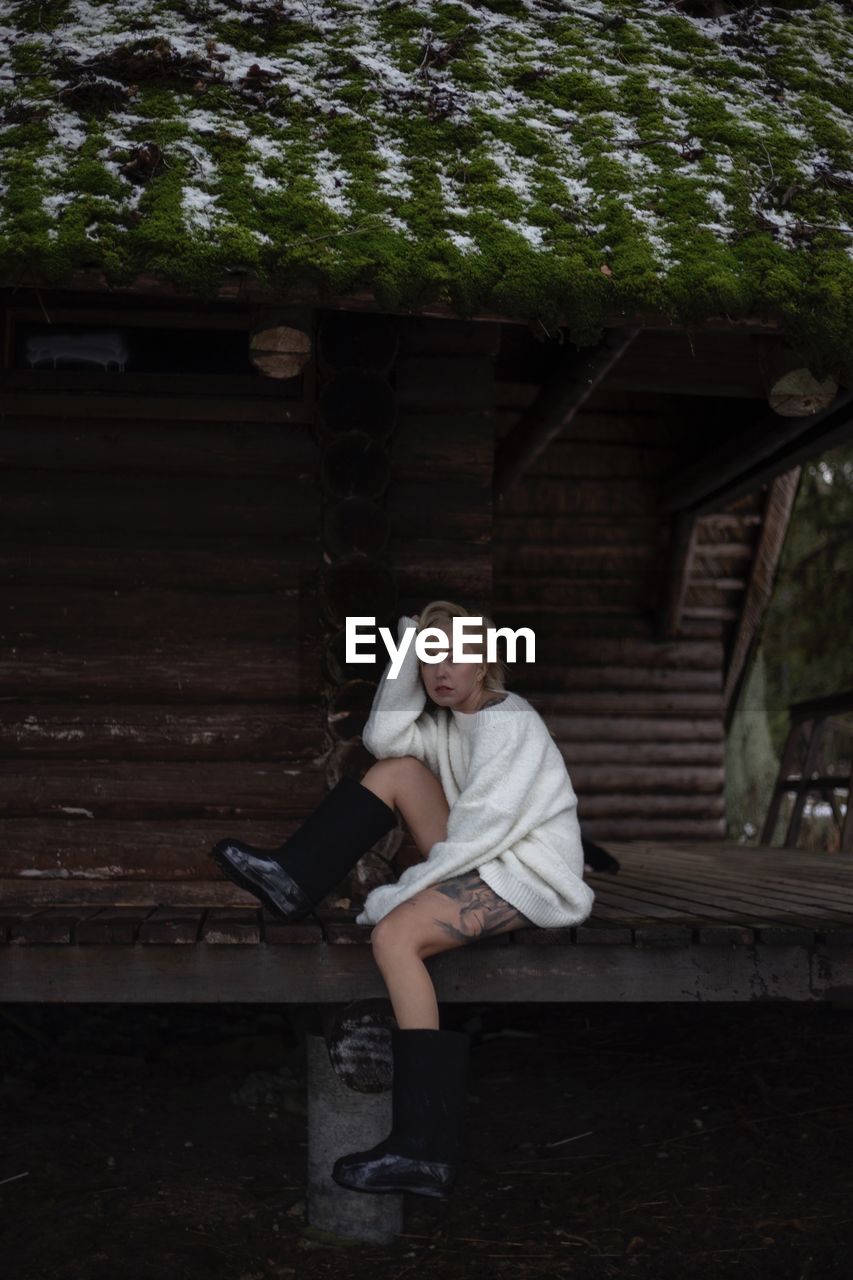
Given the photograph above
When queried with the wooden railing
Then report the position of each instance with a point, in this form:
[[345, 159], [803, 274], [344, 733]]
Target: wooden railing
[[809, 721]]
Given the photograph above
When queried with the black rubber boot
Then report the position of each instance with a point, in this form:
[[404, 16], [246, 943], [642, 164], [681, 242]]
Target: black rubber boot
[[598, 859], [422, 1151], [294, 878]]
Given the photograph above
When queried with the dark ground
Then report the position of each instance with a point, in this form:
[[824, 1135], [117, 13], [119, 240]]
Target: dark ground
[[603, 1141]]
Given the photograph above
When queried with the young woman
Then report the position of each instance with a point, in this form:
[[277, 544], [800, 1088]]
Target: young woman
[[487, 798]]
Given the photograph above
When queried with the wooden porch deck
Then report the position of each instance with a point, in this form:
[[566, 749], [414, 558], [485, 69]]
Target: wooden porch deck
[[679, 922]]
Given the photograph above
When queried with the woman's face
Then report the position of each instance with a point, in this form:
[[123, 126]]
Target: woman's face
[[455, 684]]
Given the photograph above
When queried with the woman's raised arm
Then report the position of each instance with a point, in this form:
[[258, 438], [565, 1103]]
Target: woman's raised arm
[[399, 723]]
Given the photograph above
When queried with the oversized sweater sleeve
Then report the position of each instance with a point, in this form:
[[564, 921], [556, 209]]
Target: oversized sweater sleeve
[[488, 816], [399, 723]]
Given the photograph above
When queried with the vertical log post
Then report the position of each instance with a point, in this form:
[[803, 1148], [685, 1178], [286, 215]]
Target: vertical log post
[[790, 751], [814, 728], [356, 415], [847, 829]]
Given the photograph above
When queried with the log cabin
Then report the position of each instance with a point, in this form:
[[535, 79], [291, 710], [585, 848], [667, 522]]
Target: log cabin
[[329, 309], [322, 310]]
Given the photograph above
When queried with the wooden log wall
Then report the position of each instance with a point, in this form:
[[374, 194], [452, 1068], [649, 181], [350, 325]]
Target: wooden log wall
[[176, 571], [161, 671], [583, 556], [440, 498]]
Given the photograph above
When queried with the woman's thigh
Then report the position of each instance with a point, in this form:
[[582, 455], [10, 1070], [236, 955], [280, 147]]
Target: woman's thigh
[[447, 915]]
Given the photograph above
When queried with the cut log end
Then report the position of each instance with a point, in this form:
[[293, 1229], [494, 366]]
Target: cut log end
[[280, 352], [798, 394]]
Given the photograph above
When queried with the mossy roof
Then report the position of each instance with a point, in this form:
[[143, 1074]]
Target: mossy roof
[[533, 158]]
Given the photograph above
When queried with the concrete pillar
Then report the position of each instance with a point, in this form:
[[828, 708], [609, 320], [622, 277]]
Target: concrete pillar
[[341, 1120]]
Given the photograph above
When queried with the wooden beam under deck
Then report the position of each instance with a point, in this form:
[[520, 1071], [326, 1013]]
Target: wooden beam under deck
[[679, 922]]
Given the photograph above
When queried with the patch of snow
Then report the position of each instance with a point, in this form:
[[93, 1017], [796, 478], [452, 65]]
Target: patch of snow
[[332, 180]]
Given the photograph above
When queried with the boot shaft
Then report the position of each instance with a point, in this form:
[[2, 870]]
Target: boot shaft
[[428, 1092], [327, 845]]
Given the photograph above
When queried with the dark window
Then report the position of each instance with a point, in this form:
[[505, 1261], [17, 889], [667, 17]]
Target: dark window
[[132, 349]]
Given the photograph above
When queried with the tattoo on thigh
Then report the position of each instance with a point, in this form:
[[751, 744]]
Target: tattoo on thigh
[[481, 910]]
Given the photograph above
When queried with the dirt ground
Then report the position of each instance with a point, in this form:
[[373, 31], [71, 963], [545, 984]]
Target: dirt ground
[[603, 1141]]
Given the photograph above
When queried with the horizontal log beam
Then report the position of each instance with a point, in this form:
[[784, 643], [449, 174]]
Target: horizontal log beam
[[88, 850], [133, 559], [241, 288], [159, 790], [432, 384], [601, 783], [635, 971], [42, 401], [655, 827], [633, 703], [597, 529], [33, 615], [544, 681], [660, 803], [458, 445], [628, 650], [585, 595], [613, 754], [170, 673], [286, 734], [227, 448], [618, 728], [604, 498], [100, 502]]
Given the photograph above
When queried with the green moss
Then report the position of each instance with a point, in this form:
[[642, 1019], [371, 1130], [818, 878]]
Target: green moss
[[28, 61], [678, 33], [44, 17], [279, 35], [656, 119]]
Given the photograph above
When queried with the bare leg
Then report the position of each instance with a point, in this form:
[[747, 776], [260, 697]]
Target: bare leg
[[447, 915], [406, 784]]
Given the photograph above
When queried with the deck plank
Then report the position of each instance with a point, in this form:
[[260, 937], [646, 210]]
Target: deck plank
[[232, 926], [51, 924], [816, 891], [112, 925], [695, 898], [829, 870], [720, 879], [176, 925], [719, 892]]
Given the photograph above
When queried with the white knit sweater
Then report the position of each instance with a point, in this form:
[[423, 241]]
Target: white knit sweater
[[512, 807]]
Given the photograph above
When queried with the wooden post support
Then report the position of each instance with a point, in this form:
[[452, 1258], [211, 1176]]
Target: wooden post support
[[778, 506], [683, 541], [340, 1120], [815, 732], [785, 767], [559, 399], [847, 829]]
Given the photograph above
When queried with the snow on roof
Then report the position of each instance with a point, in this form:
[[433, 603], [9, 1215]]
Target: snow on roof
[[491, 156]]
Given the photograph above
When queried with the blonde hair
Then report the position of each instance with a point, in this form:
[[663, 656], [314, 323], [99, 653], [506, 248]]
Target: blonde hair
[[440, 613]]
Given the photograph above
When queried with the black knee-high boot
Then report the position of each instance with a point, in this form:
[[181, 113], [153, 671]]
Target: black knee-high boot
[[598, 859], [424, 1147], [294, 878]]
